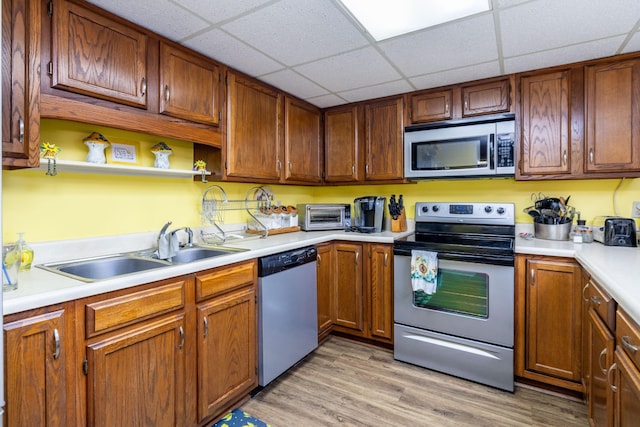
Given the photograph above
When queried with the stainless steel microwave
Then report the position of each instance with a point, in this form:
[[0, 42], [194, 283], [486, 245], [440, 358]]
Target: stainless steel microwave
[[314, 217], [480, 147]]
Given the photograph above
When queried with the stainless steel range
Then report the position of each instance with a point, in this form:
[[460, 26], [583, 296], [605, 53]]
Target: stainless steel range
[[461, 323]]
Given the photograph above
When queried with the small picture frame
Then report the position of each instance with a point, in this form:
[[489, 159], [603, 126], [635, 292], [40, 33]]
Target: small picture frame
[[125, 153]]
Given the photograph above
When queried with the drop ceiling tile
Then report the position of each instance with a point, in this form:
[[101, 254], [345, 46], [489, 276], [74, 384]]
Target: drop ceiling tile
[[220, 10], [377, 91], [222, 47], [509, 3], [457, 75], [564, 55], [359, 68], [326, 101], [298, 31], [633, 45], [460, 43], [161, 16], [550, 24], [292, 82]]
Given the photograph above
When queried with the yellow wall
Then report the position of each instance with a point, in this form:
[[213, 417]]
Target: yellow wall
[[73, 205]]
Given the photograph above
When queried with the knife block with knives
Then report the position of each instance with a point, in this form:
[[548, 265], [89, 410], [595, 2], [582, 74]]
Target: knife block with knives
[[397, 213]]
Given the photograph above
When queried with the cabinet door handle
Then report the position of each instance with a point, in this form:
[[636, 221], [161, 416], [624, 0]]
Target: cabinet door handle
[[56, 341], [466, 103], [181, 332], [357, 257], [564, 157], [611, 384], [596, 300], [278, 165], [319, 259], [143, 87], [205, 321], [353, 169], [602, 353], [583, 291], [290, 167], [386, 259], [21, 129], [591, 155], [366, 168], [446, 108], [627, 344], [167, 93], [533, 277]]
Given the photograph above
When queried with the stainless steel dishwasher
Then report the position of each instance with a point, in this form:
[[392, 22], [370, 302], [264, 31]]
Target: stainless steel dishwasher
[[287, 310]]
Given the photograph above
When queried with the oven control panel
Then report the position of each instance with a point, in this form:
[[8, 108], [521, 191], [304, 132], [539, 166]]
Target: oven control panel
[[471, 212]]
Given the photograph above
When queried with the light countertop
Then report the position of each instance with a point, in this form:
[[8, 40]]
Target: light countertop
[[616, 269], [39, 288]]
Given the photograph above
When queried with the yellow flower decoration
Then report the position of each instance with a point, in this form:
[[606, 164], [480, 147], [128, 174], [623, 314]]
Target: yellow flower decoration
[[199, 165], [49, 150]]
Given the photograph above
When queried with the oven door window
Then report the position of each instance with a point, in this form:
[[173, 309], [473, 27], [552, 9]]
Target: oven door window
[[460, 292], [461, 153]]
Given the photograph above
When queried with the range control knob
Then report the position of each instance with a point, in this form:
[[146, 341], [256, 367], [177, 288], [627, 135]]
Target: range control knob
[[435, 208], [500, 211], [488, 209], [425, 209]]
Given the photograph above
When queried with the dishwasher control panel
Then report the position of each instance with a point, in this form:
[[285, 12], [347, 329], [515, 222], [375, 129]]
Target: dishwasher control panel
[[275, 263]]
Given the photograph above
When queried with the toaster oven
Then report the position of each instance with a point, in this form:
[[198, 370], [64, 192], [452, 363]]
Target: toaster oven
[[615, 231], [331, 216]]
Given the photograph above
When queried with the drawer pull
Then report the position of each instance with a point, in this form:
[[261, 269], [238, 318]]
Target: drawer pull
[[602, 353], [583, 290], [613, 387], [627, 344], [56, 341], [596, 300], [206, 326], [181, 331]]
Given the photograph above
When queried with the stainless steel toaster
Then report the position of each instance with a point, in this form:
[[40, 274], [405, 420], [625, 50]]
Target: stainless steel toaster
[[615, 231]]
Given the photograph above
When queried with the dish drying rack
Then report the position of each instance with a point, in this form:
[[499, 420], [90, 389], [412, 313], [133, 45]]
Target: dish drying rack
[[215, 203]]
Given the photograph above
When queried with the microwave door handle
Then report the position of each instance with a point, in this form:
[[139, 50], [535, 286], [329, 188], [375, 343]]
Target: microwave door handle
[[492, 152]]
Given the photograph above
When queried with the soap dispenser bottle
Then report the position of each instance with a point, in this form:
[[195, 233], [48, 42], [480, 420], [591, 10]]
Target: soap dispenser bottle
[[26, 253]]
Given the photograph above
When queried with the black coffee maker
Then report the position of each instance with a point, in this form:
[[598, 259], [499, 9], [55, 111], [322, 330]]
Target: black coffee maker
[[368, 214]]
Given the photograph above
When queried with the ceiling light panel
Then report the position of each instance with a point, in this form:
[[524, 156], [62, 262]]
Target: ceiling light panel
[[384, 19]]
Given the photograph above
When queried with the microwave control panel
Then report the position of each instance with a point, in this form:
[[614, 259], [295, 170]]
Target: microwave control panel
[[504, 147]]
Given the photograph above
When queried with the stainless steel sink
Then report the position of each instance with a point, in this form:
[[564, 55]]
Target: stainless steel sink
[[198, 252], [91, 269], [106, 267]]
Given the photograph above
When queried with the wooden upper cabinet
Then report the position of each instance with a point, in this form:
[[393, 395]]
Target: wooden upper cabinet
[[486, 98], [21, 45], [254, 130], [303, 149], [188, 86], [545, 142], [612, 117], [98, 56], [431, 106], [384, 131], [341, 144]]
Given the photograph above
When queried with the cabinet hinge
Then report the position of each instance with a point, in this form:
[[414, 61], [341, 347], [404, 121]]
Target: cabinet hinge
[[50, 68], [50, 9], [85, 366]]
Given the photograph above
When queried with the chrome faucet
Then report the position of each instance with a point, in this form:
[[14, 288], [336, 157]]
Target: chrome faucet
[[168, 244], [163, 231], [189, 236]]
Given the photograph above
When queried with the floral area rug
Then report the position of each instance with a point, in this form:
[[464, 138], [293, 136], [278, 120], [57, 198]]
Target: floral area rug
[[239, 418]]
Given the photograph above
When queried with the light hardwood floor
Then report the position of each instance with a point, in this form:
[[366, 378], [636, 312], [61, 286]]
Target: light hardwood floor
[[353, 384]]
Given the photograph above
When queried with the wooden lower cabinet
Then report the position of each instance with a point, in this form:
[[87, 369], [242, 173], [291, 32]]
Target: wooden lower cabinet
[[626, 381], [364, 290], [138, 377], [38, 376], [325, 280], [601, 352], [549, 321], [227, 337]]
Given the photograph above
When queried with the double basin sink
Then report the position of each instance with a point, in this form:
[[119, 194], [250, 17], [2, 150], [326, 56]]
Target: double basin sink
[[109, 266]]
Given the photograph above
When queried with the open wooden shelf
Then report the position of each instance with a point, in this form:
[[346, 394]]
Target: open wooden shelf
[[112, 169]]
